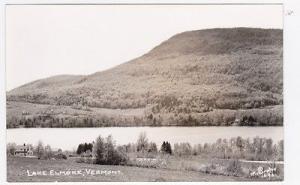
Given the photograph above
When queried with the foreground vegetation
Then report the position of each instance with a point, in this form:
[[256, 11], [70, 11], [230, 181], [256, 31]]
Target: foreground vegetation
[[237, 157], [17, 166]]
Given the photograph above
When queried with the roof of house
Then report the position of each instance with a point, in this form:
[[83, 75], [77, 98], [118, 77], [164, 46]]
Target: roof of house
[[22, 147]]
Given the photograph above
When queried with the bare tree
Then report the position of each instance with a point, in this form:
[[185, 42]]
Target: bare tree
[[48, 152], [40, 150], [142, 142]]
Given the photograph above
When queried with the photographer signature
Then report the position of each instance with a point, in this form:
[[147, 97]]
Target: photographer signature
[[264, 173]]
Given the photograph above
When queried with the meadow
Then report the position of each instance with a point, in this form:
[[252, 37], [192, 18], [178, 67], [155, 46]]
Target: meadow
[[17, 166], [182, 170]]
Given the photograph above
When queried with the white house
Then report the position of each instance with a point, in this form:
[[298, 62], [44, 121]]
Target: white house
[[23, 151]]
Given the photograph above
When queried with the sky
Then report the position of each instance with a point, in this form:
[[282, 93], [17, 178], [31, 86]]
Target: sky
[[48, 40]]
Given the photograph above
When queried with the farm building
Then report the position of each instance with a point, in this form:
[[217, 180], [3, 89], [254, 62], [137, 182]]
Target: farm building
[[23, 150]]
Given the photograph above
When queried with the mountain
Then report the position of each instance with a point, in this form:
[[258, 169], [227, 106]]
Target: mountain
[[203, 77]]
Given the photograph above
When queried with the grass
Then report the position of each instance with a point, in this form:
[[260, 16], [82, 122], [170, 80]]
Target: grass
[[16, 172], [181, 170]]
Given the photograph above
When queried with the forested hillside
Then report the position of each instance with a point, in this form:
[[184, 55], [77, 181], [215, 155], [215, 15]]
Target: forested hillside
[[208, 77]]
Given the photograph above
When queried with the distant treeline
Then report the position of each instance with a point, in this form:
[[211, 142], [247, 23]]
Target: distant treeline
[[162, 103], [257, 149], [106, 151], [272, 116], [236, 148]]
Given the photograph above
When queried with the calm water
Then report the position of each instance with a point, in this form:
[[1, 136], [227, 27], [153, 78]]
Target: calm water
[[69, 138]]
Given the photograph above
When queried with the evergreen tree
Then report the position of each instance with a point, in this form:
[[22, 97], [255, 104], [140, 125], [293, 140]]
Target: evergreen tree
[[166, 147]]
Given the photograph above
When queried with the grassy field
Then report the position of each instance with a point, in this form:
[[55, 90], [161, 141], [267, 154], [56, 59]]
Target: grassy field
[[17, 172]]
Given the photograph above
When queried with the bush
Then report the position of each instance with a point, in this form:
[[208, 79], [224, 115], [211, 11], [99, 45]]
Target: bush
[[234, 168], [60, 156], [152, 147], [147, 162], [88, 160], [182, 149], [11, 148]]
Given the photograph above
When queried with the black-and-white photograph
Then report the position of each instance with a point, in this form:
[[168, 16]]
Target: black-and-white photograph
[[137, 92]]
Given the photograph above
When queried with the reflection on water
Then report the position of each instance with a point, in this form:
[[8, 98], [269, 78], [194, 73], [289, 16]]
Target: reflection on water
[[69, 138]]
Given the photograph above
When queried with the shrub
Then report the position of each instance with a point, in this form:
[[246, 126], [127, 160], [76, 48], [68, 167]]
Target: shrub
[[11, 148], [152, 147], [234, 167], [60, 156], [182, 149], [146, 162]]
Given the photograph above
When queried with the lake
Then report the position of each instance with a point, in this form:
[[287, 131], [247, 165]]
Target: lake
[[69, 138]]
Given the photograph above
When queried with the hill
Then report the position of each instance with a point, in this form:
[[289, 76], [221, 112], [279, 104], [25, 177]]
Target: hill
[[183, 81]]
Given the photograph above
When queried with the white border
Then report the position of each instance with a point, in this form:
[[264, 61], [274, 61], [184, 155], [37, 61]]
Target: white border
[[291, 82]]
